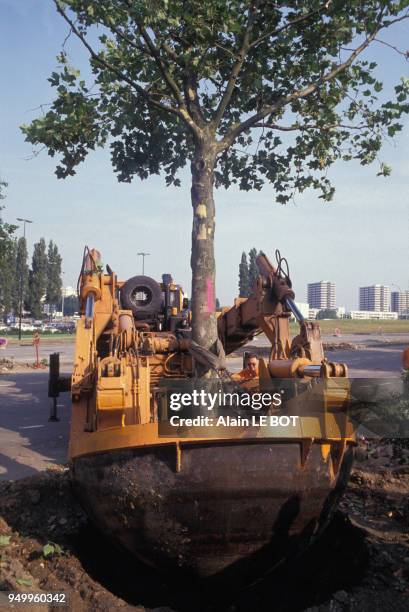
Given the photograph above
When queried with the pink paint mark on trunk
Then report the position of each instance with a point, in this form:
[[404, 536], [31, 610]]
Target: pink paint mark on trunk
[[209, 295]]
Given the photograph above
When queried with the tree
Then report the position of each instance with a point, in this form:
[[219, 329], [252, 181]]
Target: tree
[[7, 260], [54, 283], [244, 276], [247, 91], [71, 305], [38, 278], [253, 268], [327, 313], [20, 293], [8, 279]]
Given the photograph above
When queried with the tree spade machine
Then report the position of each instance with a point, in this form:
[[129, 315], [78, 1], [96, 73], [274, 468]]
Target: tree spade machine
[[211, 505]]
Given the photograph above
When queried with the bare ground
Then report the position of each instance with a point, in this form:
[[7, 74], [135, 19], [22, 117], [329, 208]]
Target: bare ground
[[361, 562]]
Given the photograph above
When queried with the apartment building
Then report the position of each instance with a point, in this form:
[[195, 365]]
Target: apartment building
[[375, 298], [400, 302], [321, 294]]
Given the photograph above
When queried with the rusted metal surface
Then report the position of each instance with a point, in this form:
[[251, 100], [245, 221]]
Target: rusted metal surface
[[225, 508]]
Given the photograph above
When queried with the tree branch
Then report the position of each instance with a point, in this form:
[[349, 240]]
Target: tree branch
[[311, 126], [190, 104], [236, 66], [188, 107], [162, 67], [229, 138], [225, 49], [404, 53], [125, 38], [123, 77], [171, 53], [192, 101], [299, 19]]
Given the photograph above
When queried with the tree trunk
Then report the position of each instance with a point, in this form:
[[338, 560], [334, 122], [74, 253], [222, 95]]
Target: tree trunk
[[202, 260]]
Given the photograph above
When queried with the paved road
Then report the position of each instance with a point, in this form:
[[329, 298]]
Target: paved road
[[25, 352], [29, 443], [373, 358]]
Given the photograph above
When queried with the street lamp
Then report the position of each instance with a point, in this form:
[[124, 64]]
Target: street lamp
[[20, 314], [63, 294], [24, 221], [143, 260]]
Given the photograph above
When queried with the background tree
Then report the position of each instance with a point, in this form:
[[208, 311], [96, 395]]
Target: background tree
[[217, 84], [244, 287], [20, 292], [71, 305], [253, 268], [38, 278], [7, 260], [327, 313], [54, 282], [8, 279]]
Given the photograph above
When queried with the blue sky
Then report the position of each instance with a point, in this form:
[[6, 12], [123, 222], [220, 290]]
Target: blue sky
[[362, 237]]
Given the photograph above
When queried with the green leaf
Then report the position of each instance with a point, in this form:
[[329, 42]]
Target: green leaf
[[54, 79], [24, 581], [48, 550], [385, 170], [5, 540]]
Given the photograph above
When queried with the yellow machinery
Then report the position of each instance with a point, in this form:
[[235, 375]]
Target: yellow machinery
[[205, 504]]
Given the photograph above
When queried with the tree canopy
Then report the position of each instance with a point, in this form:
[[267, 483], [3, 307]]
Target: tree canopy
[[244, 287], [17, 280], [327, 313], [165, 71], [21, 293], [54, 282], [246, 91], [38, 278], [7, 258], [253, 267]]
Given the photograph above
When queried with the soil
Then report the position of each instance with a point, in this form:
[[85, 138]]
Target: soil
[[342, 346], [360, 563], [9, 365]]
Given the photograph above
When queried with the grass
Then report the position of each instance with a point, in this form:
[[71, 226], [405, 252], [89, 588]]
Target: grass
[[346, 326], [353, 326], [28, 338]]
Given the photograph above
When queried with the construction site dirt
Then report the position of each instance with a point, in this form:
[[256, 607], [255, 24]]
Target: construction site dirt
[[361, 562], [47, 543]]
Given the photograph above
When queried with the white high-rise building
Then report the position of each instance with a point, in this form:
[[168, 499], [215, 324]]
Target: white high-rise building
[[69, 291], [321, 295], [376, 298], [400, 302]]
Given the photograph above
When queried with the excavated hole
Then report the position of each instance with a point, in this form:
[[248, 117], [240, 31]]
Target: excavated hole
[[336, 562]]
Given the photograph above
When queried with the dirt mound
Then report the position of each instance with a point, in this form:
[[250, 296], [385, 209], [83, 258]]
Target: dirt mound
[[361, 562], [40, 520], [341, 346], [6, 365], [10, 365]]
